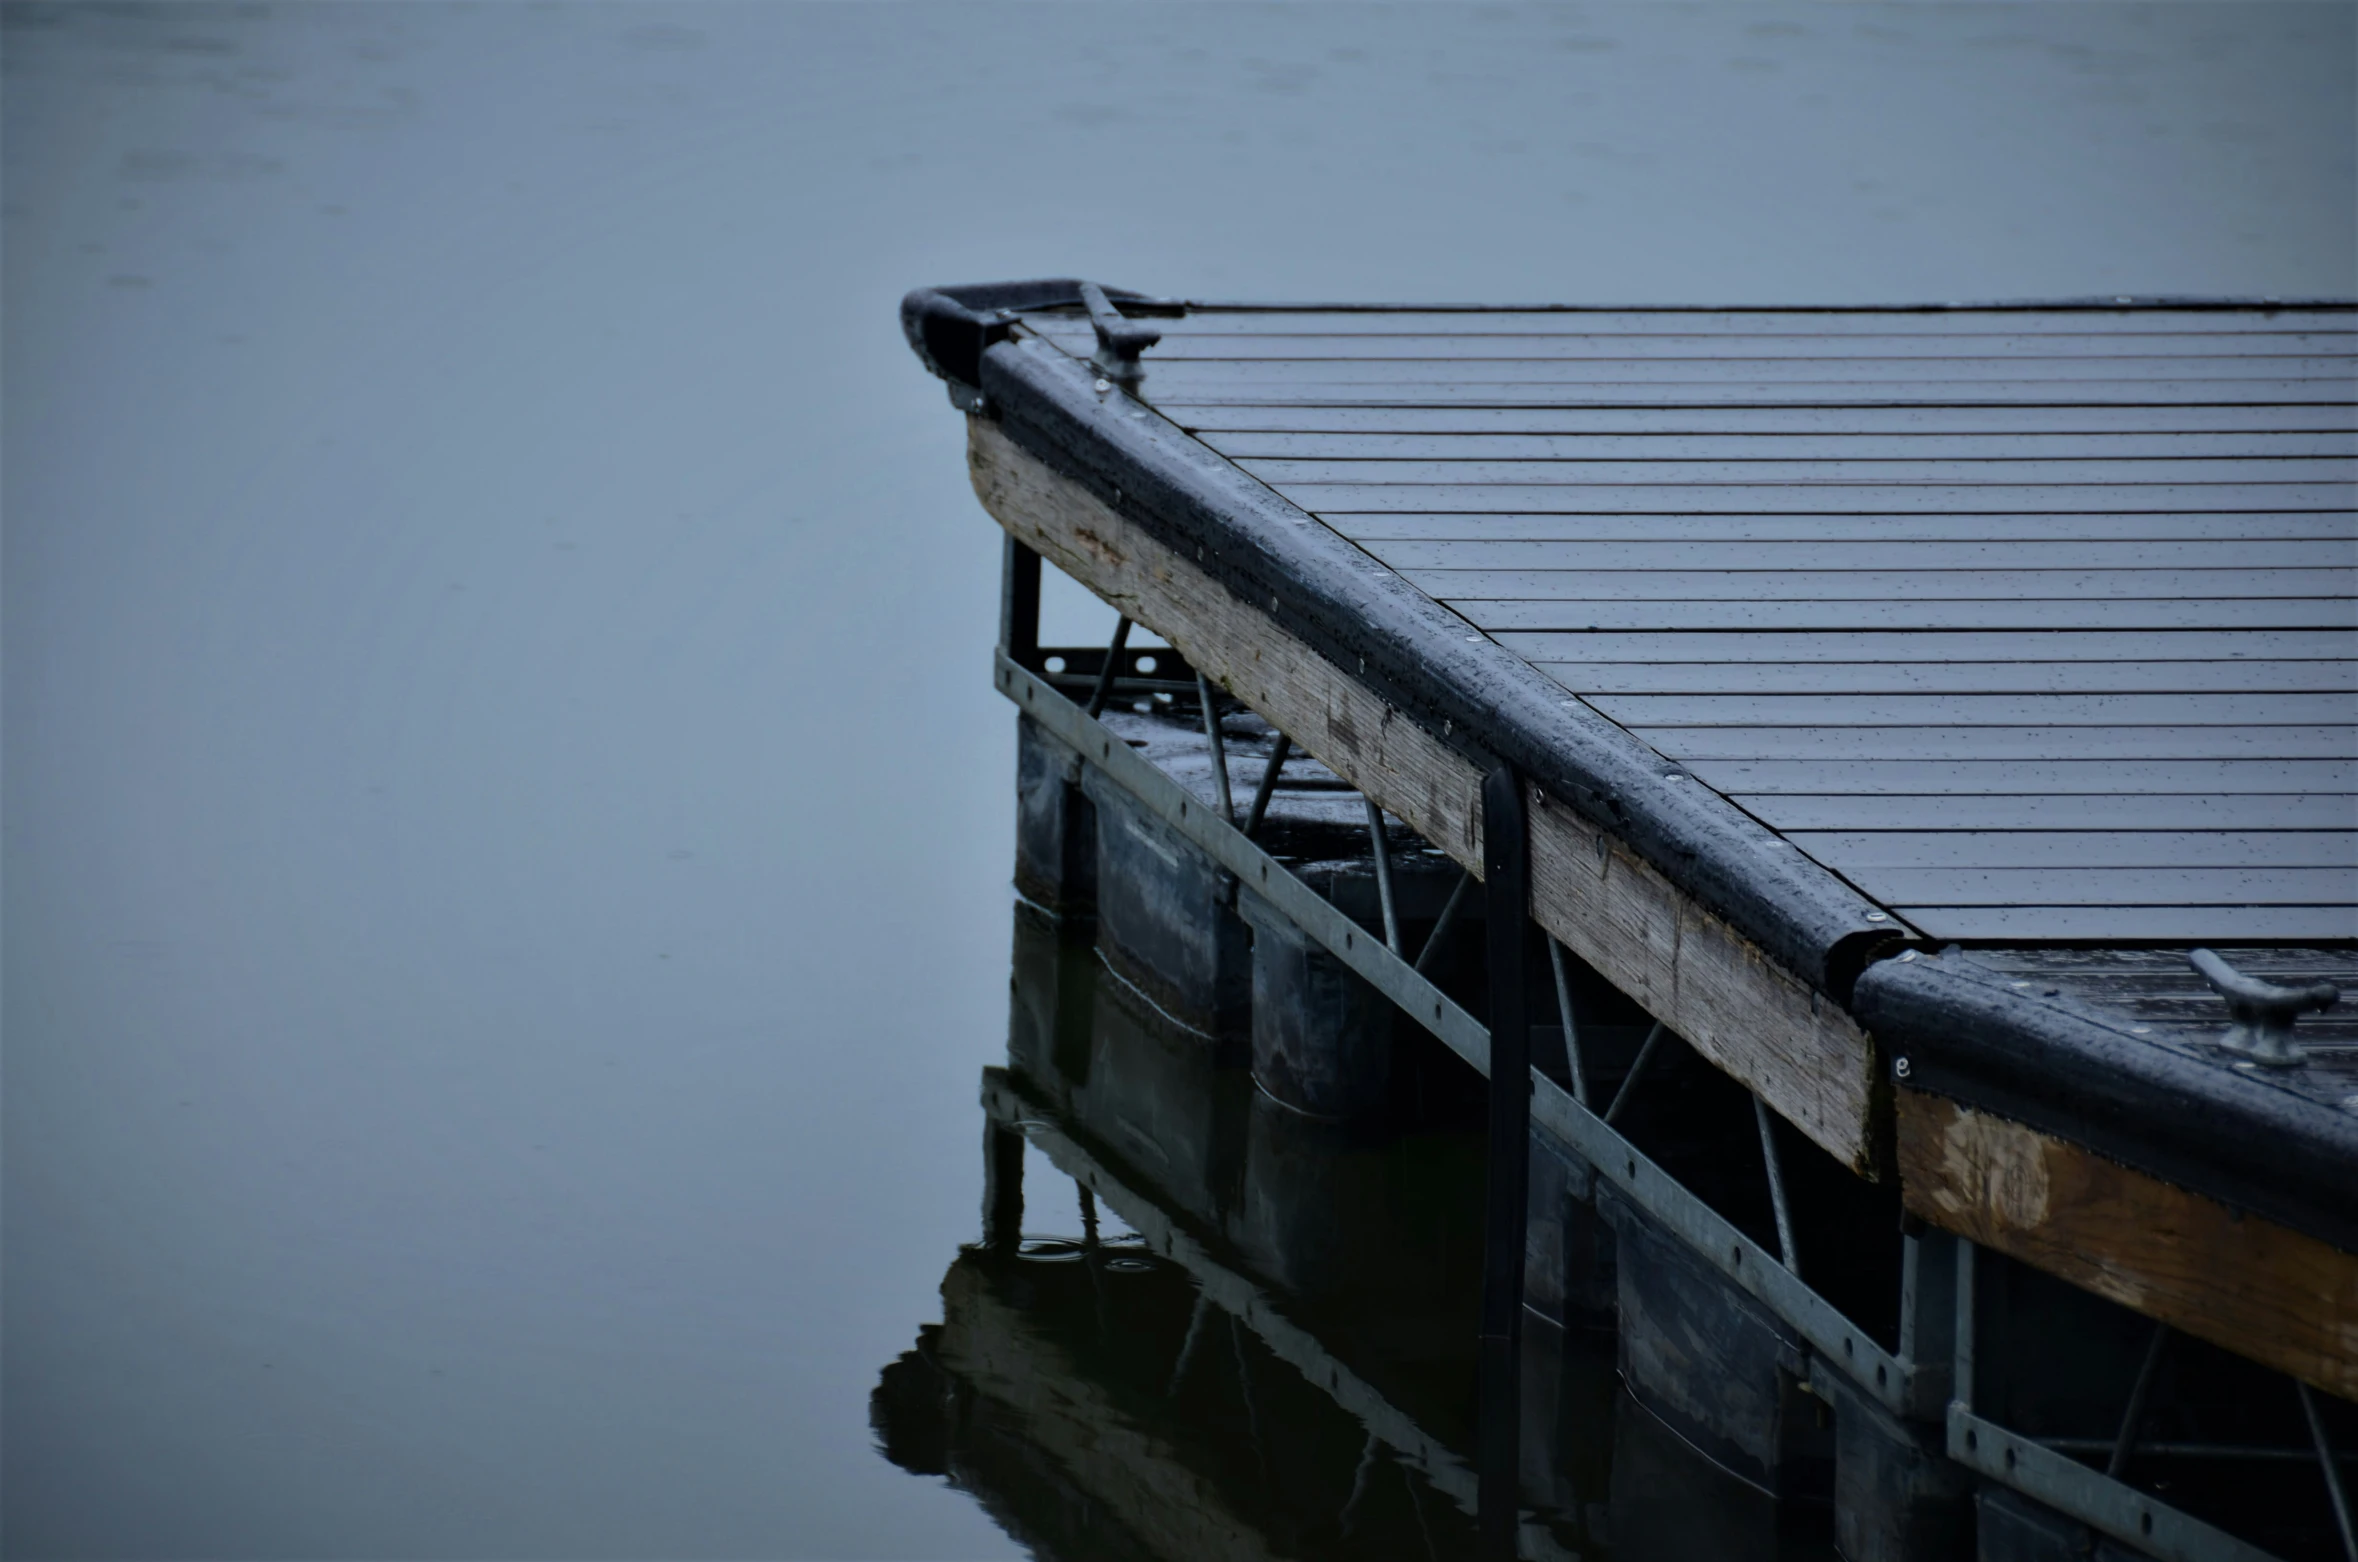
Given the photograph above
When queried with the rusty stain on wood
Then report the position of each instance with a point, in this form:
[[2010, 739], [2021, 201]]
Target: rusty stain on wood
[[2256, 1288]]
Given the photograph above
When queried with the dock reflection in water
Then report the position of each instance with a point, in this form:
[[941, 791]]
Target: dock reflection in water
[[1261, 1342]]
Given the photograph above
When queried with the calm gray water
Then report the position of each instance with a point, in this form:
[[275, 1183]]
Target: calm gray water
[[507, 827]]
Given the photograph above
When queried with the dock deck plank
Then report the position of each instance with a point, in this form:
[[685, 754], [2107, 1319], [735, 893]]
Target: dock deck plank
[[1211, 419], [1957, 582]]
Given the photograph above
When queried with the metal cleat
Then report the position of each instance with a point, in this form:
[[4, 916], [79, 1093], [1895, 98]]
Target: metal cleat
[[1119, 339], [2264, 1012]]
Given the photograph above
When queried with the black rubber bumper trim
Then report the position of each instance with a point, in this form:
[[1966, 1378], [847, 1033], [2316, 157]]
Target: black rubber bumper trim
[[949, 327], [2068, 1069], [2190, 304]]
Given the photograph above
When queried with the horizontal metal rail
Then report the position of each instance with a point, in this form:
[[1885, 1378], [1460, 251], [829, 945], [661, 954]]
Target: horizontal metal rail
[[1125, 683], [2105, 1445], [1903, 1387], [2089, 1495], [1200, 822]]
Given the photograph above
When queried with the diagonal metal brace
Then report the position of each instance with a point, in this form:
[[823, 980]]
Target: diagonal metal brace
[[2264, 1012], [1119, 339]]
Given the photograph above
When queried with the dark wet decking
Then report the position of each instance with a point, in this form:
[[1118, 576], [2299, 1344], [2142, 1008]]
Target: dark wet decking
[[2031, 624]]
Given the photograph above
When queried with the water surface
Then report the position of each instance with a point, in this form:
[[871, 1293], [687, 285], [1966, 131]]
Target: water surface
[[507, 824]]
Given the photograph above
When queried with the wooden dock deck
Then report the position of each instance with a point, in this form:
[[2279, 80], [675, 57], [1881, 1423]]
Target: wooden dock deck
[[1898, 697]]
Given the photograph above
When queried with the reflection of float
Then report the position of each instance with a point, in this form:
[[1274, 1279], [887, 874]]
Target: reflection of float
[[1302, 1283], [1165, 1398]]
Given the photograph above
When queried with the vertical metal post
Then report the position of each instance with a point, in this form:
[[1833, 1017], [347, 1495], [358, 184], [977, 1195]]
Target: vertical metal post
[[1507, 879], [1416, 1505], [2140, 1394], [1383, 875], [1787, 1253], [1019, 604], [1573, 1066], [1002, 1210], [1277, 755], [1961, 1375], [1367, 1460], [1218, 744], [1113, 663], [1195, 1332], [1244, 1385], [1928, 1299], [2333, 1473], [1637, 1066], [1445, 921]]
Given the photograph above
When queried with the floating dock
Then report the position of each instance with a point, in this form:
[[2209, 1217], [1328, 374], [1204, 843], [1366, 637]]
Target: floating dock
[[1886, 778]]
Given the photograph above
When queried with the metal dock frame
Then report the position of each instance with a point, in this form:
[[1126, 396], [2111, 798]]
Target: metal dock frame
[[1008, 1105], [1919, 1389]]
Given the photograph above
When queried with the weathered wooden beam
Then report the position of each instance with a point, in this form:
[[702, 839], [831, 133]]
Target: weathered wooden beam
[[1797, 1049], [1794, 1046], [2256, 1288], [1390, 758]]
